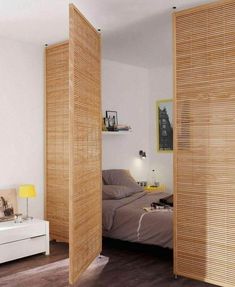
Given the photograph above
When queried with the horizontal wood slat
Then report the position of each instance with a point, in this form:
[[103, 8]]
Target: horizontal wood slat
[[204, 141]]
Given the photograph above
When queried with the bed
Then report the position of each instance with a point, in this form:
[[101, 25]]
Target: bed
[[124, 217]]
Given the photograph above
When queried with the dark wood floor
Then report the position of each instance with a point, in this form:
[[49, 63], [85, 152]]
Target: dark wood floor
[[58, 251], [127, 265]]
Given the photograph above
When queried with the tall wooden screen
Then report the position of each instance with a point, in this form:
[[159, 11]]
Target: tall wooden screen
[[204, 143], [57, 141], [85, 144]]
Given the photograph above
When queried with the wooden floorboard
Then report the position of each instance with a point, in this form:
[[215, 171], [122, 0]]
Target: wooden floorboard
[[126, 265]]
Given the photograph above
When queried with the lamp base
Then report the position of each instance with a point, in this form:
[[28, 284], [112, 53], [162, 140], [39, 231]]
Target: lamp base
[[27, 217]]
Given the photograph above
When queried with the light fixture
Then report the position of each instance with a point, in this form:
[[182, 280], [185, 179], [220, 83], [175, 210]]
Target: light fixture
[[27, 191], [142, 154]]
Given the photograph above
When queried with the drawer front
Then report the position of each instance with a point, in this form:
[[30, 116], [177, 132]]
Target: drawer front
[[22, 231], [22, 248]]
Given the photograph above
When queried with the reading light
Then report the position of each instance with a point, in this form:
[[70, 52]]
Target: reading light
[[27, 191], [142, 154]]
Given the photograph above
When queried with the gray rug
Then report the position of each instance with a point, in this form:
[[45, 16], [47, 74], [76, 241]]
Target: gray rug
[[53, 275]]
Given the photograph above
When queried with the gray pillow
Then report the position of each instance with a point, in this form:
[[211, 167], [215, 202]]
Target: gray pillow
[[116, 191], [120, 177]]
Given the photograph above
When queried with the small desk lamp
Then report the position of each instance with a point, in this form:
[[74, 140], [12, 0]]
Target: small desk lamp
[[27, 191]]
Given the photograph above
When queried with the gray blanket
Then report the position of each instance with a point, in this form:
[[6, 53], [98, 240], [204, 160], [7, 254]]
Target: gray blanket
[[125, 219]]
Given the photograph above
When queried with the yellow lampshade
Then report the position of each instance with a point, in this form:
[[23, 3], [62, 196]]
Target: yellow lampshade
[[27, 190]]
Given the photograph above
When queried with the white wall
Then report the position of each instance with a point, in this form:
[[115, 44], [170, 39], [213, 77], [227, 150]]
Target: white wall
[[161, 87], [21, 119], [125, 90], [133, 93], [160, 80]]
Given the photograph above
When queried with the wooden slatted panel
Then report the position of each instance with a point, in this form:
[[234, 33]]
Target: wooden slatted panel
[[204, 158], [85, 137], [57, 141]]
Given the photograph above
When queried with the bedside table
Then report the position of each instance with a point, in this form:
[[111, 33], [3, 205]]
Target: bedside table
[[19, 240], [160, 188]]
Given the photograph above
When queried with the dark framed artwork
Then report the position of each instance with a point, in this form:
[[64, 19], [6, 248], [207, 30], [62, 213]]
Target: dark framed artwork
[[112, 119], [164, 111]]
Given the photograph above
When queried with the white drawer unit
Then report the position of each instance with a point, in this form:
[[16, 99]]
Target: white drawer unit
[[19, 240]]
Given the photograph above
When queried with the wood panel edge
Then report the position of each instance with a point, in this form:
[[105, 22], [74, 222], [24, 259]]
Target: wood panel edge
[[174, 143], [101, 138], [45, 134], [71, 116]]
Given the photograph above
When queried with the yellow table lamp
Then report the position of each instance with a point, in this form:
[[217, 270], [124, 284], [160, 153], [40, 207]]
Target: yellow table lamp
[[27, 191]]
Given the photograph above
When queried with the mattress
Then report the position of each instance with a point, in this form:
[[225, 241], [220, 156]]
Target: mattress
[[125, 219]]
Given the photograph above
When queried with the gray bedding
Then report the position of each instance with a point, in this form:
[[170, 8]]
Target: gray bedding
[[125, 219]]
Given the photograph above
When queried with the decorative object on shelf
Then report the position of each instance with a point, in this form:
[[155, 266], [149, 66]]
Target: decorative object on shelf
[[27, 191], [142, 154], [111, 121], [165, 125], [8, 204], [123, 128]]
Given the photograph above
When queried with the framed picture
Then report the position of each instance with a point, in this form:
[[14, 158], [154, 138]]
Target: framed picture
[[8, 204], [112, 119], [164, 109]]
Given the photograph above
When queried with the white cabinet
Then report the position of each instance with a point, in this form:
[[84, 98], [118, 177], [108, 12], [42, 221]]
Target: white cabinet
[[19, 240]]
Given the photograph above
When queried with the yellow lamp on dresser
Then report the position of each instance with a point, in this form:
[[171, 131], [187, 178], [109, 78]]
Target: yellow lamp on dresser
[[27, 191]]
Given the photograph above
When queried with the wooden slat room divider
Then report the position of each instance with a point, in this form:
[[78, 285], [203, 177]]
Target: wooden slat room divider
[[85, 137], [204, 143], [57, 141], [73, 143]]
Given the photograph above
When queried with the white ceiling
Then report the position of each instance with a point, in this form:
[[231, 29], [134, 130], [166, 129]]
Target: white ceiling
[[131, 29]]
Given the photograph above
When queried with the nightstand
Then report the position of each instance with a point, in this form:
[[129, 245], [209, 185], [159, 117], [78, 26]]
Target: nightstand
[[160, 188], [19, 240]]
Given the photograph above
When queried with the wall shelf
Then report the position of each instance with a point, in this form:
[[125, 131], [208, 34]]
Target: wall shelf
[[116, 133]]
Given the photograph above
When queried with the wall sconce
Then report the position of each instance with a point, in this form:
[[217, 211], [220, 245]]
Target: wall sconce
[[142, 154]]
